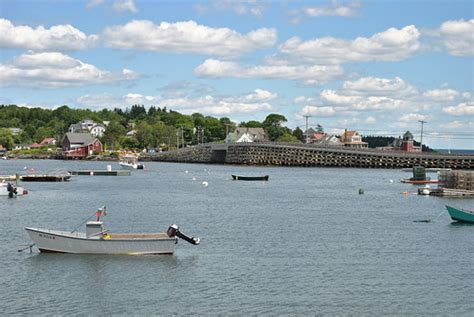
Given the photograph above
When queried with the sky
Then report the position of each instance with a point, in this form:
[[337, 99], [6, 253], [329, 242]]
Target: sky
[[378, 67]]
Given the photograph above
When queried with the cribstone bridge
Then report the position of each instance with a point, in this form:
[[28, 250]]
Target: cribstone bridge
[[279, 154]]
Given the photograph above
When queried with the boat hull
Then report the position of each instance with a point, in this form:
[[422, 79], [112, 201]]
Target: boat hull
[[52, 241], [131, 166], [250, 178], [461, 215]]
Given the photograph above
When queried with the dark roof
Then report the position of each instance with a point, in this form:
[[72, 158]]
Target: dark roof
[[80, 138], [309, 132]]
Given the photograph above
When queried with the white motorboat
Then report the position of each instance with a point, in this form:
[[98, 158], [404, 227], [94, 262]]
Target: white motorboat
[[96, 240], [10, 190], [130, 162]]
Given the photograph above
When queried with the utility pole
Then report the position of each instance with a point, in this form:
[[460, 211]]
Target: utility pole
[[306, 117], [421, 138], [182, 136]]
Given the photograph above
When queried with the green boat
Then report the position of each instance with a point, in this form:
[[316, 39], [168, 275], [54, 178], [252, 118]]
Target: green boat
[[461, 215]]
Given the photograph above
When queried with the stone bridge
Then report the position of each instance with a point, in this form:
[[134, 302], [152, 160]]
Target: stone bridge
[[280, 154]]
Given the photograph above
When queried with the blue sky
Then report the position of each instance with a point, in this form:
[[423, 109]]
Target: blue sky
[[378, 67]]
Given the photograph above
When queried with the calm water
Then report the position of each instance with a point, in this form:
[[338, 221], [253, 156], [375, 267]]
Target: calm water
[[304, 243]]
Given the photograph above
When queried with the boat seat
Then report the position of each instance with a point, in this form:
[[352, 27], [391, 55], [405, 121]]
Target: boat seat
[[112, 236]]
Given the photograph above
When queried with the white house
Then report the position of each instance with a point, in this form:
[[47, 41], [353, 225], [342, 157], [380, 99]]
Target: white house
[[97, 130], [249, 134]]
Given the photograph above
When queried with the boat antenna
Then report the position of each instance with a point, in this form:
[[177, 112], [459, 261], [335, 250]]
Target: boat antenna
[[94, 214]]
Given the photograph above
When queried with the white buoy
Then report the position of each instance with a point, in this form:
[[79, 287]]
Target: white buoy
[[391, 181], [186, 171], [194, 178], [205, 184]]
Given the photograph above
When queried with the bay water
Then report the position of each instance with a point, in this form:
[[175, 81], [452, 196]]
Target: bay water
[[303, 243]]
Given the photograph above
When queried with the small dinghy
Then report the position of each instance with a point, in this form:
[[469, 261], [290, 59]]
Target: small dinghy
[[250, 178], [97, 240]]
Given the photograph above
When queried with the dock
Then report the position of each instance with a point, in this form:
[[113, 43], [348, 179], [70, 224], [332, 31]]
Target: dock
[[101, 172], [45, 178], [446, 192]]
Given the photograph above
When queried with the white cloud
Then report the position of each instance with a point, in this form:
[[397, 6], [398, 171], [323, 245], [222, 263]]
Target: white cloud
[[390, 45], [382, 104], [319, 111], [458, 125], [56, 70], [187, 37], [335, 9], [367, 94], [333, 97], [441, 94], [458, 37], [462, 109], [308, 74], [258, 100], [379, 87], [94, 3], [370, 120], [412, 117], [57, 38], [239, 7], [125, 6]]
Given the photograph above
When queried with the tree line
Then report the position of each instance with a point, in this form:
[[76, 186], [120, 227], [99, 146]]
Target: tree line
[[155, 127]]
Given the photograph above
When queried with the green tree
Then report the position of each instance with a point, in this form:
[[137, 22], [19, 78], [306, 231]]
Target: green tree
[[298, 133], [113, 133], [272, 125], [145, 135], [288, 138], [131, 143], [6, 138], [251, 124], [41, 133]]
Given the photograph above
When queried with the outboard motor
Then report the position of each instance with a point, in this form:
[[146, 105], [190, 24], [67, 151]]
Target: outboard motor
[[173, 231], [12, 192]]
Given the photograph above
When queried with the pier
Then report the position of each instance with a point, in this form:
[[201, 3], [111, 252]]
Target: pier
[[280, 154]]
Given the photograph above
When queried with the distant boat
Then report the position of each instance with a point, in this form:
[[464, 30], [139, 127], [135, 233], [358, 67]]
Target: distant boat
[[130, 162], [97, 240], [10, 190], [250, 178], [461, 215], [419, 182], [45, 178]]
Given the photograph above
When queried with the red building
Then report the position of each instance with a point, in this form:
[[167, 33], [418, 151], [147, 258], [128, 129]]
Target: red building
[[80, 145]]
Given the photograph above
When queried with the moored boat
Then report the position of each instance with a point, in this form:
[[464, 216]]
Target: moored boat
[[10, 190], [419, 182], [130, 162], [250, 178], [97, 240], [460, 215]]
